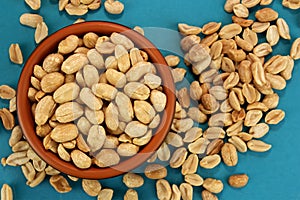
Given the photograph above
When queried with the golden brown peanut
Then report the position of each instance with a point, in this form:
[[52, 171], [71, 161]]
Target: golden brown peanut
[[275, 116], [190, 165], [272, 35], [258, 146], [240, 145], [114, 7], [60, 184], [132, 180], [176, 194], [260, 27], [250, 36], [105, 194], [107, 158], [210, 162], [178, 157], [30, 20], [271, 100], [15, 54], [206, 195], [96, 137], [266, 15], [17, 158], [238, 180], [240, 10], [228, 6], [6, 192], [91, 187], [131, 194], [189, 41], [291, 4], [155, 171], [186, 191], [80, 159], [186, 29], [229, 154], [78, 10], [41, 32], [295, 49], [127, 149], [250, 3], [229, 31], [193, 179], [213, 185], [163, 189]]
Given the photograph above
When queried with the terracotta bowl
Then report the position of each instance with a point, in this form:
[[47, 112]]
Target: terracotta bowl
[[49, 45]]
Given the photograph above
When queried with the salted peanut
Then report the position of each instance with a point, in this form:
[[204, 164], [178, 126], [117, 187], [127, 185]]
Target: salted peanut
[[52, 62], [239, 144], [213, 185], [178, 157], [6, 192], [259, 130], [172, 60], [50, 144], [105, 47], [195, 91], [214, 147], [240, 10], [258, 146], [225, 106], [111, 117], [114, 7], [60, 184], [210, 162], [15, 54], [229, 154], [253, 117], [249, 93], [51, 171], [62, 4], [176, 194], [193, 179], [272, 35], [262, 49], [68, 45], [206, 195], [52, 81], [209, 39], [163, 153], [69, 145], [122, 40], [186, 191], [182, 125], [32, 155], [266, 15], [163, 189], [275, 116], [30, 20], [41, 32], [74, 63], [231, 81], [250, 3], [94, 116], [250, 36], [216, 49], [257, 106], [82, 144], [287, 72], [75, 2], [7, 92], [277, 82], [138, 71], [152, 81], [125, 107], [127, 149], [63, 153], [189, 41], [155, 171], [258, 73], [260, 27], [20, 146], [283, 29], [80, 159], [186, 29], [178, 74], [238, 180], [77, 21], [39, 72], [190, 165], [64, 133], [105, 194], [228, 6], [276, 64], [220, 119], [228, 44], [131, 194], [209, 104], [78, 10], [135, 129], [91, 187], [241, 21], [136, 90], [66, 92], [104, 91], [234, 128], [132, 180], [295, 49], [68, 112], [237, 55], [183, 97], [234, 101], [107, 158], [90, 39], [227, 65], [44, 110], [35, 83], [211, 27], [158, 100], [174, 139], [40, 177], [135, 56], [291, 4], [28, 171], [96, 137], [244, 44], [34, 4], [214, 133], [17, 158], [95, 58], [16, 136], [229, 31], [245, 136]]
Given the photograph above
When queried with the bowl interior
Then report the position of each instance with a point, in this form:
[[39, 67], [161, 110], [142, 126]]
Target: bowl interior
[[49, 45]]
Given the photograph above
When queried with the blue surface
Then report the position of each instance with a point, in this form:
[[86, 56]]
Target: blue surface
[[273, 175]]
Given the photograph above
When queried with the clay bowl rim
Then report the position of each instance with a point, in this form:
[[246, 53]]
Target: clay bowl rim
[[24, 107]]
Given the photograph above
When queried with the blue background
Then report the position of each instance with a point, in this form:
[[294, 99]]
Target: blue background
[[273, 175]]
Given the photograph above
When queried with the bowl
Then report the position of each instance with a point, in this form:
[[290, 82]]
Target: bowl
[[49, 45]]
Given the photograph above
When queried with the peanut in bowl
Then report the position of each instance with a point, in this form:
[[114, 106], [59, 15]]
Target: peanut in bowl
[[97, 95]]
